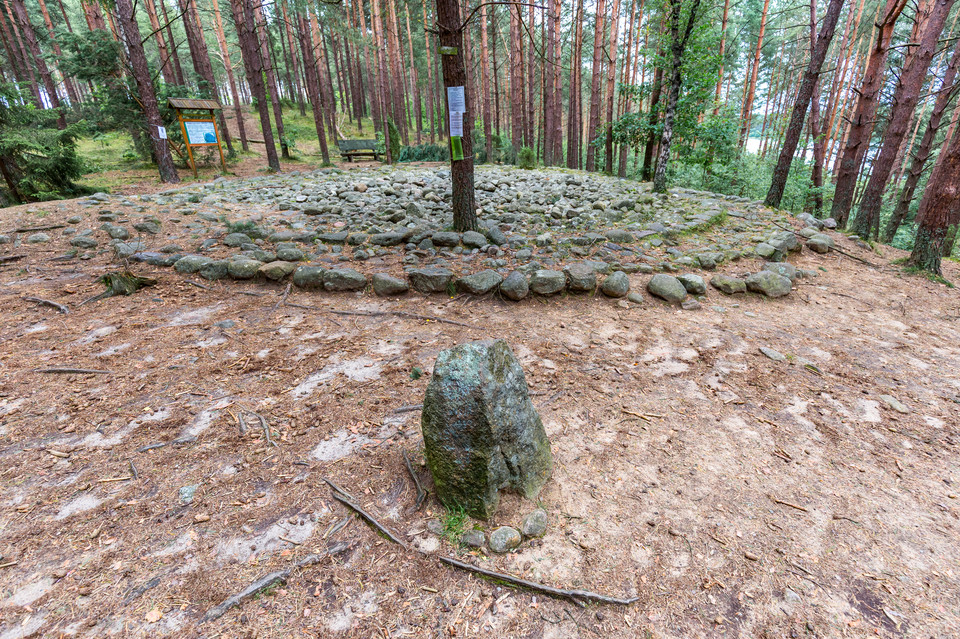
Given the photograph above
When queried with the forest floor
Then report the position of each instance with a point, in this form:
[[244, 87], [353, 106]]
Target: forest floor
[[733, 494]]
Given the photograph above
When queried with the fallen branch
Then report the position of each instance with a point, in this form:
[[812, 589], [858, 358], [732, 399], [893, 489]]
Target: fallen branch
[[370, 519], [835, 248], [72, 371], [11, 258], [404, 314], [263, 583], [577, 596], [421, 493], [42, 302]]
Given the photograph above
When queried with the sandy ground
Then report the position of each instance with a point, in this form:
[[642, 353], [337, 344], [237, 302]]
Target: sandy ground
[[735, 495]]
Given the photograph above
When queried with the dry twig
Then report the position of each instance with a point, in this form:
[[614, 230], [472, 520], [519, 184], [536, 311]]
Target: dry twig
[[577, 596], [421, 493], [60, 307], [72, 371], [343, 499]]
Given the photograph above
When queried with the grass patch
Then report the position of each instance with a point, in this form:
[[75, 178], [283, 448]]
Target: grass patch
[[933, 277], [454, 524]]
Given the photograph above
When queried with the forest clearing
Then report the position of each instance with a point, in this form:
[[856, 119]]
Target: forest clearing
[[400, 318]]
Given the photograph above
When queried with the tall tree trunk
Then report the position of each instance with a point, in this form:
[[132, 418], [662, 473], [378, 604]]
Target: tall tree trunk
[[594, 122], [654, 120], [415, 81], [181, 79], [747, 114], [802, 103], [166, 67], [611, 86], [678, 44], [485, 79], [307, 50], [323, 74], [528, 134], [17, 41], [516, 79], [288, 30], [905, 99], [201, 62], [245, 19], [430, 85], [271, 85], [721, 53], [939, 208], [550, 89], [454, 74], [574, 116], [13, 50], [861, 124], [145, 89], [67, 83], [30, 36], [626, 79], [948, 90], [231, 81]]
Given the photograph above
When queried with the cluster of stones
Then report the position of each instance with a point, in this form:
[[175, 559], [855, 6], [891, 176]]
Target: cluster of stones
[[504, 538], [538, 233]]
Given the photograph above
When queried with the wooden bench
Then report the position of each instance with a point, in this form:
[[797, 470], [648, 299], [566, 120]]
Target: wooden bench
[[350, 149]]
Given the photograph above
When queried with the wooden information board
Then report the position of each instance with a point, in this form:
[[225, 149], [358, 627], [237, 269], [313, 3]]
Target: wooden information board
[[199, 126]]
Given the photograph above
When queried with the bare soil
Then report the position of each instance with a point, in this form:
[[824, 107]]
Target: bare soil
[[735, 495]]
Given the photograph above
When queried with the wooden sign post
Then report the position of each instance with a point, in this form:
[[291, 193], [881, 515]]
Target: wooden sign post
[[199, 126]]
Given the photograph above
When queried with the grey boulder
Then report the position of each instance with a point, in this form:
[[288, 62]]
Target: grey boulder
[[481, 432], [667, 287], [768, 283]]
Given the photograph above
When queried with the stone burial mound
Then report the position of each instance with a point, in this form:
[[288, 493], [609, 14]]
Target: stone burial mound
[[481, 431]]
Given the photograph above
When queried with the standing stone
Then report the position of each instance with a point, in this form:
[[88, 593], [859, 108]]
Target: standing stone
[[480, 429]]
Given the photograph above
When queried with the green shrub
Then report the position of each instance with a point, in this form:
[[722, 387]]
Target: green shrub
[[526, 158], [40, 161]]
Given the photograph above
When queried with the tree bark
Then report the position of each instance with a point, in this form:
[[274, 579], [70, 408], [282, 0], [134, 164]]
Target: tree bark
[[231, 81], [802, 103], [516, 79], [721, 53], [939, 209], [747, 114], [948, 89], [611, 86], [415, 82], [67, 83], [30, 36], [550, 89], [678, 44], [574, 114], [485, 79], [430, 85], [201, 63], [145, 89], [594, 122], [454, 74], [861, 124], [245, 20], [307, 50], [17, 41], [905, 99], [174, 56], [166, 68], [654, 119]]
